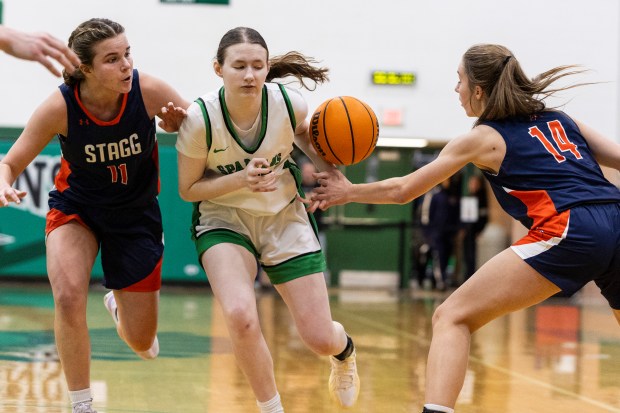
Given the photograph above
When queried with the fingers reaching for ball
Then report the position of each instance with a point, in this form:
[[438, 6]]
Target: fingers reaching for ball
[[333, 189]]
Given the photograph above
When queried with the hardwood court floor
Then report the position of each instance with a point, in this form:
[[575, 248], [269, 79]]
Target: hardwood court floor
[[561, 356]]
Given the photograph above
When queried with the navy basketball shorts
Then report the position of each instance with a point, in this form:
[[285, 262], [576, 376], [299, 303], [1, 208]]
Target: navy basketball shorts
[[578, 246], [130, 241]]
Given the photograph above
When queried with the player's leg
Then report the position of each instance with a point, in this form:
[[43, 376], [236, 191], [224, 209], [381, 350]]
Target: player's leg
[[502, 285], [231, 269], [308, 302], [71, 252], [307, 299], [135, 315], [131, 257]]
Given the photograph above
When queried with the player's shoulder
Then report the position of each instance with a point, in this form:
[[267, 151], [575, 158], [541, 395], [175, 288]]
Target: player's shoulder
[[199, 108], [293, 96], [482, 145], [55, 105], [210, 98]]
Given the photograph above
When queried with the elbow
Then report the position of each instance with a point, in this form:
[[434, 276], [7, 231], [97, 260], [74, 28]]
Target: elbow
[[398, 195], [185, 195], [401, 198]]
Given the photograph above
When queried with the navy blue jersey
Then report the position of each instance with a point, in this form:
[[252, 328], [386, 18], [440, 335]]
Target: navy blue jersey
[[548, 168], [109, 163]]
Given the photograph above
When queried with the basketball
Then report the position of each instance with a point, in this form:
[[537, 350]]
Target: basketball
[[344, 130]]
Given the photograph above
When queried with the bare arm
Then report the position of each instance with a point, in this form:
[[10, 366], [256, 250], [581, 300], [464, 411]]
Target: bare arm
[[195, 185], [302, 141], [482, 146], [606, 151], [49, 119], [302, 131], [38, 47]]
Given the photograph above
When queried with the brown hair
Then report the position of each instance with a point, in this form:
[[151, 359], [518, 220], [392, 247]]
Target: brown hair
[[509, 92], [290, 64], [83, 41]]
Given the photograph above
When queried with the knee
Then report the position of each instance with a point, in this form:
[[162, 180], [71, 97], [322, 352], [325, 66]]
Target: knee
[[70, 304], [242, 320], [445, 317]]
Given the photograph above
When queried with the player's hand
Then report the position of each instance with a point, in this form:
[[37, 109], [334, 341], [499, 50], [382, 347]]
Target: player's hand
[[312, 205], [39, 47], [9, 194], [259, 177], [171, 117], [332, 190]]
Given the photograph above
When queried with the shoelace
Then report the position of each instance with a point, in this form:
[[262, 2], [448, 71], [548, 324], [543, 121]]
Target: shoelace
[[83, 408], [346, 374]]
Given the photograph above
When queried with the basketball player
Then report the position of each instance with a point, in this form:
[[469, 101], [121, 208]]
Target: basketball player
[[544, 169], [105, 196], [38, 47], [234, 156]]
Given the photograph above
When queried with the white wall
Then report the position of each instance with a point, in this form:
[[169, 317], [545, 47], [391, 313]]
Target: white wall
[[352, 37]]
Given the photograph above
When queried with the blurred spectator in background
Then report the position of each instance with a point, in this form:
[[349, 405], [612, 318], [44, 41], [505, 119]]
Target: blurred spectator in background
[[474, 217], [440, 224]]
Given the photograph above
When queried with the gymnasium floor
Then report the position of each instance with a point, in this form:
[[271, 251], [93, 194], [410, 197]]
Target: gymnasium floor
[[561, 356]]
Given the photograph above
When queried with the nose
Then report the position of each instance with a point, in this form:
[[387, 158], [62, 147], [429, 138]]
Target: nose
[[126, 63], [249, 73]]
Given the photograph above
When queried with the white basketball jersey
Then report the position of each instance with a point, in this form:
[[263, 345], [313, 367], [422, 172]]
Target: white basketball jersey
[[274, 142]]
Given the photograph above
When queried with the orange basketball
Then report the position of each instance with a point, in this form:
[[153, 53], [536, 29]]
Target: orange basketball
[[344, 130]]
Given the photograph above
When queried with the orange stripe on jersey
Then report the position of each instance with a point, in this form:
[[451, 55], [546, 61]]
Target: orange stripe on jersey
[[542, 238], [549, 226], [548, 231], [61, 180], [541, 209], [92, 117], [151, 283]]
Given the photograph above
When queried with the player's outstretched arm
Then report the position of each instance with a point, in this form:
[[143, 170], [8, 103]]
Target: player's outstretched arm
[[38, 47]]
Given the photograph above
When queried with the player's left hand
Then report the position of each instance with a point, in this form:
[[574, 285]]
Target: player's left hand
[[9, 194], [171, 117]]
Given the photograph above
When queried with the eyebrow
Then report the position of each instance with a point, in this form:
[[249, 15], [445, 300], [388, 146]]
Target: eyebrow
[[246, 61], [114, 53]]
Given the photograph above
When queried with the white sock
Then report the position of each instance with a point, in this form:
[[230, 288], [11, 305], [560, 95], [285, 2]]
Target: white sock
[[150, 353], [272, 406], [80, 396], [439, 408]]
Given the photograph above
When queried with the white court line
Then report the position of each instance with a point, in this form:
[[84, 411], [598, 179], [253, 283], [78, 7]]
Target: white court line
[[423, 341]]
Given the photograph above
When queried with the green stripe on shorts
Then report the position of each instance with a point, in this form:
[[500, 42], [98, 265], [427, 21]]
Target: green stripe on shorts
[[222, 236], [296, 267]]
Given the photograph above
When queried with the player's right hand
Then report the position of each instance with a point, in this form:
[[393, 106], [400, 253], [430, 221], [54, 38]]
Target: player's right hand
[[259, 176], [10, 194]]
